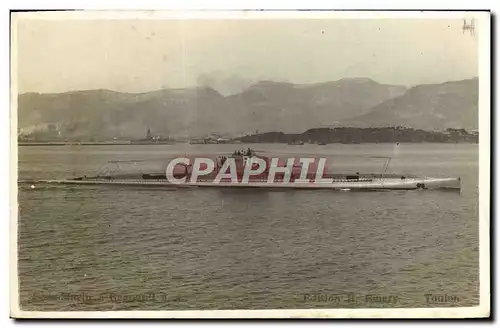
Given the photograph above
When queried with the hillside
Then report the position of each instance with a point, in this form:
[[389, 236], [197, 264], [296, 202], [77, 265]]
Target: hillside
[[352, 135], [108, 114], [265, 106], [270, 106], [431, 106]]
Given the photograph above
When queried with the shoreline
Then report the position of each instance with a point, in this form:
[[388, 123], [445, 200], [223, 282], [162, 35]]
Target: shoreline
[[41, 144]]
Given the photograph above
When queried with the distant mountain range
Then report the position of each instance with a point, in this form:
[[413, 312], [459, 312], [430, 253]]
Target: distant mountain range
[[262, 107]]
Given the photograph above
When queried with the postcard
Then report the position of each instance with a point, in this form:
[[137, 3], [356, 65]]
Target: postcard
[[250, 164]]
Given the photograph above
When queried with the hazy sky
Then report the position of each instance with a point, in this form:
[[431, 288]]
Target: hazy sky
[[145, 55]]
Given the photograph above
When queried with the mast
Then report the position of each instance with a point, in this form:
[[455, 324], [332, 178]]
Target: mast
[[386, 165]]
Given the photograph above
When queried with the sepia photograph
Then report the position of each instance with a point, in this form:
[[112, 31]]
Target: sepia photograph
[[250, 164]]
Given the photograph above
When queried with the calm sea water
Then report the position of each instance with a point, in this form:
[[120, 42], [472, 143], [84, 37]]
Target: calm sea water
[[122, 248]]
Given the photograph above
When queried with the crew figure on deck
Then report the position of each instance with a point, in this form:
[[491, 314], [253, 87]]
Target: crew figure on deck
[[242, 152]]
